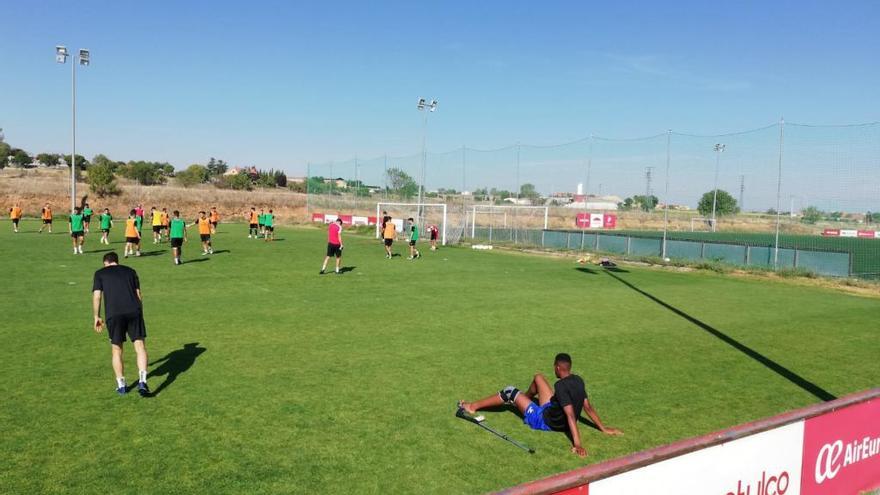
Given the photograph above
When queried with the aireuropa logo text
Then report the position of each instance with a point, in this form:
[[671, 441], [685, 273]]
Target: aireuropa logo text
[[772, 485], [835, 456]]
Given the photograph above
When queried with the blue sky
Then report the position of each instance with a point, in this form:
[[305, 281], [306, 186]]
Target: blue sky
[[277, 84]]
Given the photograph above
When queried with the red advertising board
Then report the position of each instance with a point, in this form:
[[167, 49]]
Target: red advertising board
[[842, 451], [867, 234], [318, 217], [610, 221], [346, 219], [595, 221]]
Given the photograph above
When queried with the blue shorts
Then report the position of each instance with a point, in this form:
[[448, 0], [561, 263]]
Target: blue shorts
[[534, 417]]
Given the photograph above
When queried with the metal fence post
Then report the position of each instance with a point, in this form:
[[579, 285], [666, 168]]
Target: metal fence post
[[778, 192]]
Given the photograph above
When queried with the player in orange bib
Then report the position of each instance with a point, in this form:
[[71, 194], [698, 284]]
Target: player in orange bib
[[132, 236], [204, 224], [253, 223], [166, 222], [46, 215], [15, 215], [215, 219]]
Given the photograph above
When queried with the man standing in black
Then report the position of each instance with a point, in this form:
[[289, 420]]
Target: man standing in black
[[557, 408], [120, 288]]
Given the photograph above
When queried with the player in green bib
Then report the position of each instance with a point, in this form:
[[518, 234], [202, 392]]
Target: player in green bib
[[106, 224], [261, 220], [413, 237], [87, 217], [178, 236], [269, 225], [75, 226]]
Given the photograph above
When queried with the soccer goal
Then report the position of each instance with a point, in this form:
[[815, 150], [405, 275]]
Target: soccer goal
[[513, 223], [701, 224], [424, 214]]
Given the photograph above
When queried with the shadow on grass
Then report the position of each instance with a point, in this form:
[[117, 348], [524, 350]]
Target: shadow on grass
[[222, 251], [346, 269], [174, 364], [586, 270], [782, 371], [195, 260], [154, 253]]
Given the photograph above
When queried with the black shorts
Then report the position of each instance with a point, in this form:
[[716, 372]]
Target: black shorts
[[214, 223], [389, 242], [47, 222], [132, 240], [412, 243], [334, 250], [253, 226], [205, 237], [131, 323], [176, 242], [433, 236], [270, 228], [157, 228], [106, 231], [87, 218], [14, 221], [77, 234]]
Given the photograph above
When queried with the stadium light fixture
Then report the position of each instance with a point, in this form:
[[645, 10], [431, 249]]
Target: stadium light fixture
[[84, 59], [430, 107], [718, 148]]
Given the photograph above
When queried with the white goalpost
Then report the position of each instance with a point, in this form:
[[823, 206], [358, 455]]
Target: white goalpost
[[504, 210], [418, 211]]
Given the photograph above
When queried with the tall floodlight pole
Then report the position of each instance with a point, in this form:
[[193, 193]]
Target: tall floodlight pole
[[426, 107], [719, 148], [84, 59]]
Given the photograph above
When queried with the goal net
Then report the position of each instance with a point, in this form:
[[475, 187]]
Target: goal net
[[513, 223], [423, 214]]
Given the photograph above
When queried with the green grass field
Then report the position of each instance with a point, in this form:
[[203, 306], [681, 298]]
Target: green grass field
[[300, 383]]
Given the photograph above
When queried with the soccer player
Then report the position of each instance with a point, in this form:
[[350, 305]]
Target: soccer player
[[139, 224], [434, 232], [120, 289], [388, 233], [204, 232], [46, 215], [132, 235], [413, 237], [139, 211], [215, 219], [557, 408], [156, 223], [382, 229], [253, 223], [334, 245], [87, 217], [75, 226], [106, 224], [15, 215], [166, 223], [178, 236], [269, 225], [261, 222]]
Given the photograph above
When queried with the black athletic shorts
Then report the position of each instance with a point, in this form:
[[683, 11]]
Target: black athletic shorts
[[106, 231], [270, 228], [130, 323], [176, 242], [334, 250], [14, 221], [47, 222], [132, 240], [253, 226], [77, 234], [87, 218], [205, 237], [214, 224], [389, 242], [157, 228], [412, 243], [433, 236]]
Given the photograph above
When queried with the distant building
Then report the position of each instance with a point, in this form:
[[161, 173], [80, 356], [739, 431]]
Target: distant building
[[296, 180], [337, 182], [239, 170], [591, 202]]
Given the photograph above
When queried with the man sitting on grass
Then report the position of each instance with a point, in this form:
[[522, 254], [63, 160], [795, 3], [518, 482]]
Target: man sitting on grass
[[557, 408]]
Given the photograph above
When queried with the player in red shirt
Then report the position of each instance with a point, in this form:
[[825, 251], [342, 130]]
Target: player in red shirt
[[433, 231], [334, 245]]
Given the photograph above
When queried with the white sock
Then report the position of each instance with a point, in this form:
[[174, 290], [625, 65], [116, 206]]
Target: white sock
[[142, 376], [120, 382]]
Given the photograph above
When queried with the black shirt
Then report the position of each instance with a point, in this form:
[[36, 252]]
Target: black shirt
[[567, 391], [119, 284]]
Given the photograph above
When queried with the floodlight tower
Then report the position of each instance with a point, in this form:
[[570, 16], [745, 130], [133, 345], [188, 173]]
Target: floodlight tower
[[84, 59], [427, 108], [718, 148]]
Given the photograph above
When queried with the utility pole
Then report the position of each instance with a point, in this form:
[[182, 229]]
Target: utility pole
[[648, 177], [742, 188]]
